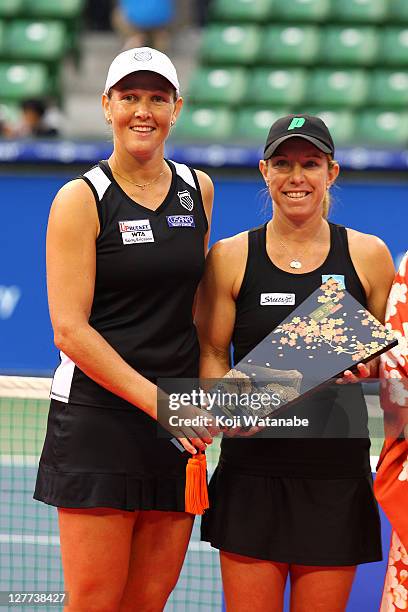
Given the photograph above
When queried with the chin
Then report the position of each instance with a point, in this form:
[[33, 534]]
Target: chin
[[298, 209], [143, 149], [300, 214]]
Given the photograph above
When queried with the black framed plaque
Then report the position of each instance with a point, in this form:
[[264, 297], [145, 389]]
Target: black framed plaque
[[328, 333]]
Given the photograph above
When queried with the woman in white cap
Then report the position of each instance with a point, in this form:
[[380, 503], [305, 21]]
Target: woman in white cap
[[292, 506], [125, 252]]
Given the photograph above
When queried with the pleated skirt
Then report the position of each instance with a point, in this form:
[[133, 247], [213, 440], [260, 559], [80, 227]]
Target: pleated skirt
[[306, 521], [108, 457]]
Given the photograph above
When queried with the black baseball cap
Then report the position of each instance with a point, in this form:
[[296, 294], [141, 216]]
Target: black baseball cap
[[309, 127]]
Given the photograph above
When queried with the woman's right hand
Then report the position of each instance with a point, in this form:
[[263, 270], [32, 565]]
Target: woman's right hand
[[191, 445], [193, 427]]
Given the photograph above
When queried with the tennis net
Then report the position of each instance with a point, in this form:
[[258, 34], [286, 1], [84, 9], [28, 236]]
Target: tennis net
[[29, 541]]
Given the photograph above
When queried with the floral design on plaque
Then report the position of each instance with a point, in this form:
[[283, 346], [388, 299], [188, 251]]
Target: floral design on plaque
[[330, 326]]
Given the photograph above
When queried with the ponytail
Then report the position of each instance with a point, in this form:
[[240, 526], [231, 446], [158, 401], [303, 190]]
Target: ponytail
[[327, 196]]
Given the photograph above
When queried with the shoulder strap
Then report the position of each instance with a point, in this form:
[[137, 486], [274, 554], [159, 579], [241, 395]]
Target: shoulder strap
[[340, 251], [339, 243], [256, 240], [98, 181], [185, 173], [255, 237]]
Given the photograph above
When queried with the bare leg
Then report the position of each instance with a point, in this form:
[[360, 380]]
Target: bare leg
[[252, 585], [159, 546], [320, 589], [95, 549]]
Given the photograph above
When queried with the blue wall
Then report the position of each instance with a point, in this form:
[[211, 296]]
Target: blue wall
[[374, 208], [25, 332]]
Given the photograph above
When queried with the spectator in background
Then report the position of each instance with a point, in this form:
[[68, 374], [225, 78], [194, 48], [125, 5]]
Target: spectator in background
[[33, 122], [34, 119], [144, 22], [3, 124], [201, 12], [97, 14]]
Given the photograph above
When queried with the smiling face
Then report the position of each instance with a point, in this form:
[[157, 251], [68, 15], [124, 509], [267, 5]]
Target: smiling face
[[298, 175], [141, 108]]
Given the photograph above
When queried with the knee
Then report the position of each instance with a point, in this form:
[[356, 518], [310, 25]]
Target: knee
[[152, 598], [94, 604], [91, 597]]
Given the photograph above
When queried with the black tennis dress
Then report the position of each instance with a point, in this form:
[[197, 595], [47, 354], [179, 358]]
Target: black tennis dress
[[307, 500], [99, 449]]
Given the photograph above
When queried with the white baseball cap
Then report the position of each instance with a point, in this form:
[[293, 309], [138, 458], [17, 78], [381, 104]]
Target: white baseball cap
[[141, 58]]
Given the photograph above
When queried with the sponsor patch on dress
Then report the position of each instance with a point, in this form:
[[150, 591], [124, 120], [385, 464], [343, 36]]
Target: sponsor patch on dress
[[277, 299], [339, 278], [136, 231], [186, 200], [180, 221]]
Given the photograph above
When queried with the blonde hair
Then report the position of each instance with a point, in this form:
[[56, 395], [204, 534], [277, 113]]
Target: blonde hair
[[327, 197]]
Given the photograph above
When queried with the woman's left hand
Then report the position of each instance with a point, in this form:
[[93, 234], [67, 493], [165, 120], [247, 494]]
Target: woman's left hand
[[364, 370]]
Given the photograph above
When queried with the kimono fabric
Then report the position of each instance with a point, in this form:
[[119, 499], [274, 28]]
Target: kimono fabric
[[391, 484]]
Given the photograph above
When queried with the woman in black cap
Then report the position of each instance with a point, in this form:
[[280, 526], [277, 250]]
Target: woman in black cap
[[283, 507], [125, 252]]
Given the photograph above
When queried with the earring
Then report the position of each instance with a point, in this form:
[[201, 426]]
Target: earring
[[172, 122]]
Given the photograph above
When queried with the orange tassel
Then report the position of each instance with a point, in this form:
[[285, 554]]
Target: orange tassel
[[196, 494], [205, 503]]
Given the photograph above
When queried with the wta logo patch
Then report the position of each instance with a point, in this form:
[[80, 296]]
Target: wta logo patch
[[180, 221], [136, 231]]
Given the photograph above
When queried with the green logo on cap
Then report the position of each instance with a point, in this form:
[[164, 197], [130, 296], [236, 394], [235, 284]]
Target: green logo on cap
[[296, 122]]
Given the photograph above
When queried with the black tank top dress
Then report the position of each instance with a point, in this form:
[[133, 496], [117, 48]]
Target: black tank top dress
[[99, 449], [290, 499]]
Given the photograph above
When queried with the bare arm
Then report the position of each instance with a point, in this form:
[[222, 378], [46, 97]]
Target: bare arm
[[375, 268], [207, 192], [374, 265], [215, 315]]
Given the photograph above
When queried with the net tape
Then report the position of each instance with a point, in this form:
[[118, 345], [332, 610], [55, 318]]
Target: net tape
[[25, 387]]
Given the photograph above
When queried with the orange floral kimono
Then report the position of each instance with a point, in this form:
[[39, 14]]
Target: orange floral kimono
[[391, 483]]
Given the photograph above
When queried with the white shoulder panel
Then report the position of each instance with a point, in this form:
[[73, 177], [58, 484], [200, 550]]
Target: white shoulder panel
[[99, 180], [185, 173]]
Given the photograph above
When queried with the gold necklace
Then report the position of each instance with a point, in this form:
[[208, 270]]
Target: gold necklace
[[141, 185], [295, 261]]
